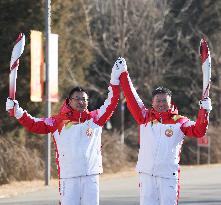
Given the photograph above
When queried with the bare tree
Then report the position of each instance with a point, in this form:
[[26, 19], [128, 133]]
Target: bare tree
[[75, 53], [124, 28], [159, 39], [185, 23]]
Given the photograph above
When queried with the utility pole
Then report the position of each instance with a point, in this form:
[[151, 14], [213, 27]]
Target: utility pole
[[47, 94]]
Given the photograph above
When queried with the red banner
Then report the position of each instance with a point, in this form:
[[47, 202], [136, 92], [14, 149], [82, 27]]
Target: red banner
[[37, 66]]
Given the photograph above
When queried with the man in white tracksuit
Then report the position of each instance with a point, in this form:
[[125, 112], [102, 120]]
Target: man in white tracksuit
[[77, 137], [162, 132]]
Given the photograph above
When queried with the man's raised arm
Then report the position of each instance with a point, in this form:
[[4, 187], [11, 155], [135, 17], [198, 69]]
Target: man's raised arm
[[134, 103], [103, 114]]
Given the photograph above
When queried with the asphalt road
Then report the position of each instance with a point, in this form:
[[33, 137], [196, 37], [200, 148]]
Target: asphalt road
[[200, 185]]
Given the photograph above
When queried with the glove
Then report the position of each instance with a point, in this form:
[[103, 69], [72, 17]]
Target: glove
[[10, 104], [119, 67], [206, 104]]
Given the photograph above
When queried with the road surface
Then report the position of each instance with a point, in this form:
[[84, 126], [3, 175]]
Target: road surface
[[200, 185]]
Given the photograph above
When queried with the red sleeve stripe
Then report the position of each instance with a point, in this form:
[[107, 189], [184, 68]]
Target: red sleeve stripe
[[107, 109], [57, 162], [134, 103], [196, 129], [35, 125]]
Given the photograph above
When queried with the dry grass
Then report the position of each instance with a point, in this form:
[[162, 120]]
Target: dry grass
[[17, 162]]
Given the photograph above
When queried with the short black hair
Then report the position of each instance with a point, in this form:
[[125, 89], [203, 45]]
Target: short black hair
[[76, 89], [161, 90]]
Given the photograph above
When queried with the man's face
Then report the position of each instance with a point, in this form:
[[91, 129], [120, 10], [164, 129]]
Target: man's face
[[79, 101], [161, 102]]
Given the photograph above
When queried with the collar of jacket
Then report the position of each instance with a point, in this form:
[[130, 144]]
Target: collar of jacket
[[67, 113], [161, 116]]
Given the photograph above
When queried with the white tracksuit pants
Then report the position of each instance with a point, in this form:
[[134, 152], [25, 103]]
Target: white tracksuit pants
[[80, 190], [158, 190]]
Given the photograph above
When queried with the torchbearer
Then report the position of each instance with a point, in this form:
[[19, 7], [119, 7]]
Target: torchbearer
[[162, 132], [77, 137], [16, 53]]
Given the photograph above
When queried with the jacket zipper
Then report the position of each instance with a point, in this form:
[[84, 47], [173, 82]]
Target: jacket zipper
[[160, 126], [80, 118]]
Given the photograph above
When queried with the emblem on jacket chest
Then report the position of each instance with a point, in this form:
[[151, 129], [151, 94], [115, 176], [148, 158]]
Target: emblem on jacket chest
[[89, 132], [169, 132]]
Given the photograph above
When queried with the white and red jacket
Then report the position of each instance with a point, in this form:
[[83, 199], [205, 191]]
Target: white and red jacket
[[161, 134], [77, 136]]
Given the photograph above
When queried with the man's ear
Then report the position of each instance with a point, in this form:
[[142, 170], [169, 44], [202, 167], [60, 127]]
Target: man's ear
[[152, 101], [173, 105]]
